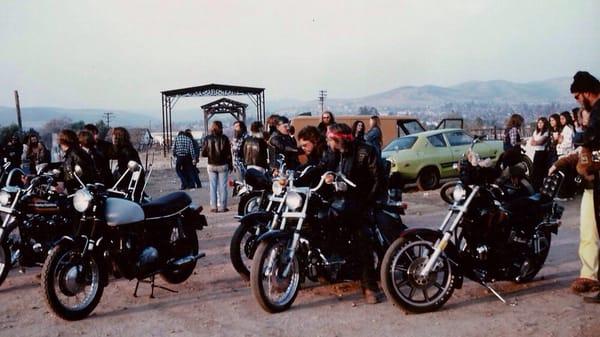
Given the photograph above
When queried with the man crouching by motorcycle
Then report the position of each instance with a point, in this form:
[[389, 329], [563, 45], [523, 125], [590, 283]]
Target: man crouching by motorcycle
[[360, 163]]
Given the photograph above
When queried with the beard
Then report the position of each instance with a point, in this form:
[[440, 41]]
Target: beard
[[587, 104]]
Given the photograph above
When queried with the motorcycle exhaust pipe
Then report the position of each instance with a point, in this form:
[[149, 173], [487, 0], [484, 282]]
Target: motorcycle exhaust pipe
[[186, 260]]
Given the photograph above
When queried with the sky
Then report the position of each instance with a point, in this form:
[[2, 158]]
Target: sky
[[121, 54]]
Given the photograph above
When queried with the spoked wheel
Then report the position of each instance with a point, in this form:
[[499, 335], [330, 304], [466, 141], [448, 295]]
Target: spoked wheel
[[243, 245], [274, 291], [533, 265], [402, 283], [186, 245], [446, 191], [249, 204], [71, 284], [5, 262]]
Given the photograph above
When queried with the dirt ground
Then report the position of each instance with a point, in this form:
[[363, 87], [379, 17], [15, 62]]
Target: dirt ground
[[216, 302]]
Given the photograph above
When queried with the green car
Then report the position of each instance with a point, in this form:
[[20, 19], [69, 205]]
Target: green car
[[426, 157]]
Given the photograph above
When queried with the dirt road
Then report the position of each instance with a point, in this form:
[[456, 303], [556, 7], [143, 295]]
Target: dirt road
[[216, 302]]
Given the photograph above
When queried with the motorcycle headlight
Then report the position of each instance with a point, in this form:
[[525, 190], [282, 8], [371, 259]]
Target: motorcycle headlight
[[82, 200], [4, 198], [293, 201], [459, 193]]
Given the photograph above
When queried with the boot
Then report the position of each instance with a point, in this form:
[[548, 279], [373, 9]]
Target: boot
[[593, 299]]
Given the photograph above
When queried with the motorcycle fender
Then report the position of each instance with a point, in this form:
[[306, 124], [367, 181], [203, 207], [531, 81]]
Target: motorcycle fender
[[192, 217], [273, 235], [104, 267], [450, 250], [260, 216]]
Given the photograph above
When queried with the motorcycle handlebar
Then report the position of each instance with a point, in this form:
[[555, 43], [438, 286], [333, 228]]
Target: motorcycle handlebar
[[335, 174]]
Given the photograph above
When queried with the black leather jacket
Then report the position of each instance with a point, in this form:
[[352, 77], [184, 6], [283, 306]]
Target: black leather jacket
[[362, 166], [123, 156], [286, 145], [73, 157], [218, 150], [254, 150], [591, 135]]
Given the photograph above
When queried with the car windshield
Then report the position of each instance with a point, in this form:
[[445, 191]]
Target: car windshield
[[402, 143]]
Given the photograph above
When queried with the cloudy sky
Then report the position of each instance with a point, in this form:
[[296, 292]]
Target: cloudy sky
[[120, 54]]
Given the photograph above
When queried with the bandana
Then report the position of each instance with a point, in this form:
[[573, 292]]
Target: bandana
[[339, 135]]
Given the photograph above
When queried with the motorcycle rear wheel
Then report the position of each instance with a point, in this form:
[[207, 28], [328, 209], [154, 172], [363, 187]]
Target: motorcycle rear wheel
[[5, 263], [183, 247], [538, 262], [65, 276], [400, 278], [266, 279]]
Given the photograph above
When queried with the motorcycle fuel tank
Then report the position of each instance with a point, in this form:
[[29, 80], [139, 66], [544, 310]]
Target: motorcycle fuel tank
[[122, 212]]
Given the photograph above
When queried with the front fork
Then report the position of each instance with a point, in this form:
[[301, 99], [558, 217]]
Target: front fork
[[442, 243]]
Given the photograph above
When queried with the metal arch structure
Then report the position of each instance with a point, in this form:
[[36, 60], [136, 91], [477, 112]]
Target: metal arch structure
[[222, 106], [170, 98]]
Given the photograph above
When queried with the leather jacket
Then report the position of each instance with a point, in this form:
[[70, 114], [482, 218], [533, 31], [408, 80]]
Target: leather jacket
[[254, 150], [123, 156], [286, 145], [73, 157], [218, 150]]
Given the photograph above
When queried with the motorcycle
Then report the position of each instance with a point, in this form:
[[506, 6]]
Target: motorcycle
[[314, 245], [122, 238], [484, 237]]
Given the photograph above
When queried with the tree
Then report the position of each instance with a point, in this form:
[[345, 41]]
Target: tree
[[7, 131], [368, 110], [76, 126], [102, 129], [55, 125]]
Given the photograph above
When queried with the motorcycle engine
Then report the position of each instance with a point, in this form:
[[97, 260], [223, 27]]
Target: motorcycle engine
[[147, 261]]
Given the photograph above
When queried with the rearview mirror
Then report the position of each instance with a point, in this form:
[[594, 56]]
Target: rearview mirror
[[78, 170]]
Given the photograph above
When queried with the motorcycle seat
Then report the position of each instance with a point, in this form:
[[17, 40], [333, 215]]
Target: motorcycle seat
[[166, 205]]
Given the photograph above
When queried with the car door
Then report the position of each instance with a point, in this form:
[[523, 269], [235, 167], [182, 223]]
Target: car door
[[441, 154], [458, 141]]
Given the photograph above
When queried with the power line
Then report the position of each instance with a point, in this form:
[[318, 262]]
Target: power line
[[322, 95]]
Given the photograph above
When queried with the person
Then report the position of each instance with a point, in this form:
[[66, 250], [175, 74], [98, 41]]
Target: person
[[104, 147], [586, 91], [539, 143], [13, 151], [565, 141], [512, 141], [313, 145], [240, 133], [254, 149], [87, 142], [36, 153], [578, 134], [326, 120], [73, 156], [195, 172], [184, 153], [282, 143], [124, 152], [360, 163], [271, 125], [217, 148], [358, 130], [374, 137], [554, 133]]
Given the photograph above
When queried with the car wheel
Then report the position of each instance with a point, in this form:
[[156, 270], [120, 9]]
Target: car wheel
[[428, 179]]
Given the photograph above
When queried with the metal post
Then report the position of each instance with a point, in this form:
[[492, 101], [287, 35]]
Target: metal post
[[162, 98], [170, 122], [18, 106]]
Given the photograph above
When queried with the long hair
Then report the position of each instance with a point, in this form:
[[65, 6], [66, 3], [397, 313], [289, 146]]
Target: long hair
[[243, 128], [216, 128], [556, 118], [545, 128], [121, 137], [342, 133], [313, 135], [515, 121], [361, 135], [86, 139], [567, 116], [68, 137]]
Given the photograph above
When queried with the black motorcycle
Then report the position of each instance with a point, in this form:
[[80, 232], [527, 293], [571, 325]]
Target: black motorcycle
[[123, 238], [313, 243], [483, 237]]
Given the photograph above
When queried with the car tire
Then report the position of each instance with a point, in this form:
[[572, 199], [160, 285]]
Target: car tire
[[428, 179]]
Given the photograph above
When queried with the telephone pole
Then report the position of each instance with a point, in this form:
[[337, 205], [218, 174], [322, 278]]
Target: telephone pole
[[107, 116], [322, 95], [18, 105]]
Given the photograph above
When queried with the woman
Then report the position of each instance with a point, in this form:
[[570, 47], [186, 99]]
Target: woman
[[326, 120], [554, 136], [217, 148], [374, 137], [512, 141], [565, 141], [101, 165], [124, 152], [73, 156], [358, 130], [539, 143]]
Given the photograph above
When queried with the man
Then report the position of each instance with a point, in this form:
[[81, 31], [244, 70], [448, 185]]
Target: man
[[104, 147], [282, 143], [101, 155], [240, 133], [327, 119], [254, 149], [13, 150], [195, 172], [312, 143], [586, 91], [184, 153], [360, 163]]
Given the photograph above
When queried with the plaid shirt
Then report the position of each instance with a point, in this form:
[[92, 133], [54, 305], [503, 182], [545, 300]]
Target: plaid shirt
[[236, 147], [513, 135], [184, 146]]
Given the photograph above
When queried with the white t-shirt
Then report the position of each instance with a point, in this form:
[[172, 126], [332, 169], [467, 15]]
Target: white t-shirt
[[539, 137], [566, 145]]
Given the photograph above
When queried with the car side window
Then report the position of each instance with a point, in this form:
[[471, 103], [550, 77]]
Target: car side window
[[437, 140], [457, 138]]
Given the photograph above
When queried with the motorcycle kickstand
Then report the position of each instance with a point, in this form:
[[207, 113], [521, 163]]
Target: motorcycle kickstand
[[152, 286], [489, 287]]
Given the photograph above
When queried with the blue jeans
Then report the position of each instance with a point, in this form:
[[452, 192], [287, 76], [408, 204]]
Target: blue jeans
[[217, 179], [185, 171]]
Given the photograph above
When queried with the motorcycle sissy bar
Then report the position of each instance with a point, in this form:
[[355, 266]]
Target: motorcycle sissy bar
[[152, 286]]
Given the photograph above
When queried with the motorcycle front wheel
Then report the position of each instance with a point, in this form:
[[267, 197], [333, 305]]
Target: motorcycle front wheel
[[5, 262], [402, 283], [71, 284], [274, 291], [249, 203], [243, 246]]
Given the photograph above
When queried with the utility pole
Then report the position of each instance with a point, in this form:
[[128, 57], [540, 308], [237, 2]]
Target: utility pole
[[18, 111], [322, 95], [107, 116]]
